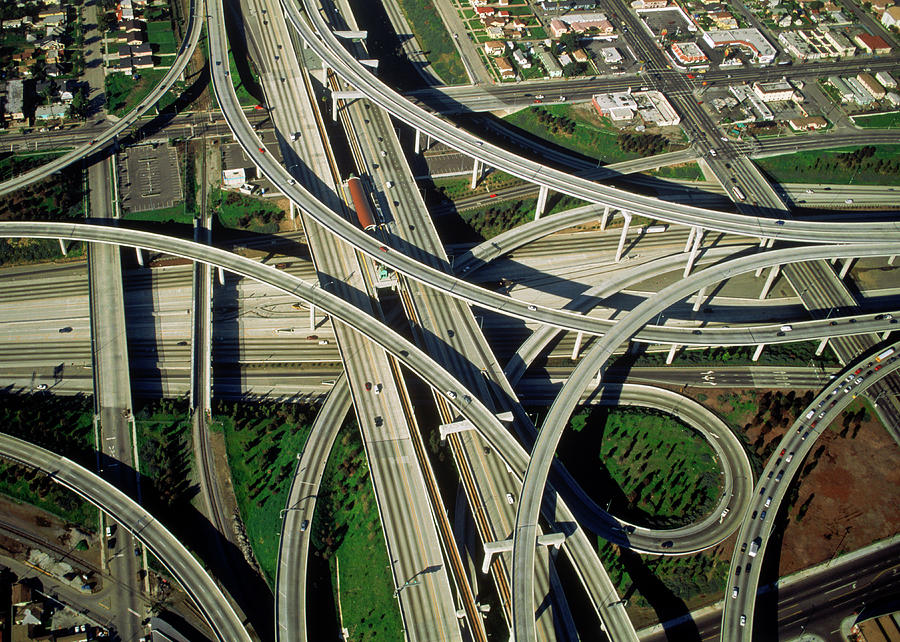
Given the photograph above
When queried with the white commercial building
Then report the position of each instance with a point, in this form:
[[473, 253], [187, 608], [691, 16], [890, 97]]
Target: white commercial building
[[772, 92], [886, 79], [611, 55], [750, 39]]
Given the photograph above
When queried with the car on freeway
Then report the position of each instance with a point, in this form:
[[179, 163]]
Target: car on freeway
[[734, 592], [743, 620], [262, 150], [41, 386], [509, 498], [303, 525], [788, 459], [368, 385], [383, 249], [668, 544], [532, 308], [762, 516], [65, 330], [768, 501], [783, 450], [451, 394]]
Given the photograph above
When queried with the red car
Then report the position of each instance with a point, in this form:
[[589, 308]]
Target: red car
[[257, 107], [383, 249], [783, 450], [262, 150], [492, 196], [691, 76]]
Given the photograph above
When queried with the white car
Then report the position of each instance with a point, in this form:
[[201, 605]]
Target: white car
[[734, 592], [743, 620], [509, 498], [451, 394]]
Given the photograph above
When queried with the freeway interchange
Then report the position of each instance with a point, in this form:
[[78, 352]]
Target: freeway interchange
[[550, 500]]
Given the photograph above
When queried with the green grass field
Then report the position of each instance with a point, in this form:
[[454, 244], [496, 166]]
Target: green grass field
[[244, 97], [242, 212], [346, 527], [160, 33], [432, 36], [262, 441], [879, 121], [654, 470], [163, 431], [123, 93], [63, 425], [174, 214], [835, 166], [683, 172]]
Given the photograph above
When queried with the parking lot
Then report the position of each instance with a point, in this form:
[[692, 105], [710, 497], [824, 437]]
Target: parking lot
[[148, 177]]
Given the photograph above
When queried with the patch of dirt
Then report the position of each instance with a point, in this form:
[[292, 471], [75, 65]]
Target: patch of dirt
[[848, 489]]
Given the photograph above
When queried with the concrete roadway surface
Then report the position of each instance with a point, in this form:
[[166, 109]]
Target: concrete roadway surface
[[326, 45], [297, 517], [798, 441], [185, 51], [112, 400], [446, 328], [422, 579], [814, 601], [176, 558], [561, 410]]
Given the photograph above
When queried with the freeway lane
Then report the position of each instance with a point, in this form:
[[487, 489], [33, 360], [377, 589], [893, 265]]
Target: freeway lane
[[175, 557]]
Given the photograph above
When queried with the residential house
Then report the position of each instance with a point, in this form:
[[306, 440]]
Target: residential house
[[579, 55], [142, 49], [521, 59], [723, 19], [494, 47], [505, 68], [143, 62], [879, 6], [558, 28]]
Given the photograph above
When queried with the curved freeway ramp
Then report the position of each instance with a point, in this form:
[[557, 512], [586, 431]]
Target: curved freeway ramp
[[544, 450], [202, 589], [296, 530], [188, 45], [775, 481]]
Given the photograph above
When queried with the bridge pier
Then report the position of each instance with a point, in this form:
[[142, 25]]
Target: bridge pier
[[885, 335], [757, 352], [821, 347], [312, 317], [604, 219], [577, 345], [698, 238], [541, 201], [669, 357], [505, 546], [140, 256], [62, 247], [621, 247], [769, 281], [891, 259], [476, 169], [845, 268], [293, 212], [418, 141], [221, 276], [690, 238], [698, 300]]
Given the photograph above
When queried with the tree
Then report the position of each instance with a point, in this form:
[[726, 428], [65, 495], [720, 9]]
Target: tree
[[79, 106]]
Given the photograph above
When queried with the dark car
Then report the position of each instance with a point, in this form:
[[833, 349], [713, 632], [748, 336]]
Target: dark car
[[68, 328], [668, 544]]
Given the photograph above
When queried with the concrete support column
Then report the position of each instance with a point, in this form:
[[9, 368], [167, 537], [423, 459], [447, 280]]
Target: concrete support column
[[821, 347], [418, 141], [140, 256], [312, 317], [293, 212], [333, 108], [769, 281], [845, 267], [62, 247], [757, 352], [891, 260], [621, 247], [671, 355], [762, 243], [690, 239], [698, 300], [541, 202], [770, 243], [605, 218], [221, 276], [476, 168], [885, 335], [698, 238], [577, 346], [834, 260]]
